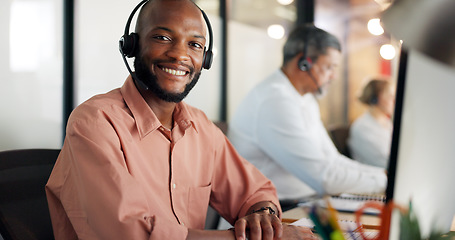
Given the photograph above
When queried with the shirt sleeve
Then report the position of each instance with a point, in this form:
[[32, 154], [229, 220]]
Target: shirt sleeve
[[110, 199], [237, 184], [302, 146]]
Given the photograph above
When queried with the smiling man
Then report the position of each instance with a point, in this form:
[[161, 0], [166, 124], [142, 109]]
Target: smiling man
[[138, 163], [278, 127]]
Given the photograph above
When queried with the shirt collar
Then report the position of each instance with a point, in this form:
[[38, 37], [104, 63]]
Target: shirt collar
[[183, 117], [146, 120]]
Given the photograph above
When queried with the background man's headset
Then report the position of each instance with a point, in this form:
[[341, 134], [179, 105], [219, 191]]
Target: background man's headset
[[373, 100], [305, 63], [129, 43]]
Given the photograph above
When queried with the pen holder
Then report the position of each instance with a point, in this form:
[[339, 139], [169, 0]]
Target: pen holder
[[385, 213]]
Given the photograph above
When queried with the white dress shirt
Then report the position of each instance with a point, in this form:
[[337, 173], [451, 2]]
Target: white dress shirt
[[369, 141], [282, 134]]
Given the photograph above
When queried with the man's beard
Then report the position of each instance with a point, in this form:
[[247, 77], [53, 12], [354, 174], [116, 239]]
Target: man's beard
[[151, 81]]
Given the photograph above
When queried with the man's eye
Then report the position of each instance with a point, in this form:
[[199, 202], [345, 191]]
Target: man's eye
[[196, 45], [162, 38]]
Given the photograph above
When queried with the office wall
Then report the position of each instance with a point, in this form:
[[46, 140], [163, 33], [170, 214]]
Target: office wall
[[30, 74], [253, 55]]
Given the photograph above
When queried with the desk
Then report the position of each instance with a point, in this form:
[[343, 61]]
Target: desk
[[371, 221]]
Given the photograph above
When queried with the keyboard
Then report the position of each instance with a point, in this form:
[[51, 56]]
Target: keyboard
[[351, 202]]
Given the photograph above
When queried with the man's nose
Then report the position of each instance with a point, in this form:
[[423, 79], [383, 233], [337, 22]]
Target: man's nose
[[179, 52]]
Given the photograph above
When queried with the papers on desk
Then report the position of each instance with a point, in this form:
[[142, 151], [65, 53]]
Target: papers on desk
[[350, 202], [350, 229], [344, 225], [324, 221]]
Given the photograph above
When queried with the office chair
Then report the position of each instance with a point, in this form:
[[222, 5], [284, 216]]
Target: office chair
[[212, 219], [24, 213], [222, 125], [339, 135]]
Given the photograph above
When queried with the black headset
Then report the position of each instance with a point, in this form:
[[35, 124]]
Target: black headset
[[305, 63], [373, 100], [129, 42]]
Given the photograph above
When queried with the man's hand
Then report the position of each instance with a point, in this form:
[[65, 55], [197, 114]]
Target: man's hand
[[269, 228], [263, 225], [260, 225], [291, 232]]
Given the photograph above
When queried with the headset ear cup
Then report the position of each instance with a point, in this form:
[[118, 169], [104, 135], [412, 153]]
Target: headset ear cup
[[373, 100], [129, 44], [304, 64], [207, 60]]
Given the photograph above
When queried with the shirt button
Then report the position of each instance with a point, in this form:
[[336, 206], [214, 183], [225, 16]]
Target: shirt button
[[174, 186]]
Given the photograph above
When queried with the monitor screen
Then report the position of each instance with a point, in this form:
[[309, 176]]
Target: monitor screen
[[422, 160]]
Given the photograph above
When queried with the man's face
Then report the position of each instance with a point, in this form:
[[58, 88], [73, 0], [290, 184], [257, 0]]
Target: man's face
[[172, 46], [325, 68]]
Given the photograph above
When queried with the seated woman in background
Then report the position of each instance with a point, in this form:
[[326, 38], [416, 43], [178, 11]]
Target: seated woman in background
[[370, 135]]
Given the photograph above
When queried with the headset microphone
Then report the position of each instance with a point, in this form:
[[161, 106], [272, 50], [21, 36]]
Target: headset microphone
[[315, 82], [129, 44]]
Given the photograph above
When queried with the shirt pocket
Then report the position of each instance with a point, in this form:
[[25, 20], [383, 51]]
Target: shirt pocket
[[198, 201]]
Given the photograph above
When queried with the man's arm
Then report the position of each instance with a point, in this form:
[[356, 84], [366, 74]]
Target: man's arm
[[290, 232], [245, 196], [236, 184], [300, 144]]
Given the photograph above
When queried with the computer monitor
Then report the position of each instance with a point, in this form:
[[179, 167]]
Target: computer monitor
[[422, 160]]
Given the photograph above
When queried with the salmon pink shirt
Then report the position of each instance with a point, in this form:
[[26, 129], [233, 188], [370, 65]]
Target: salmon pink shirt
[[122, 175]]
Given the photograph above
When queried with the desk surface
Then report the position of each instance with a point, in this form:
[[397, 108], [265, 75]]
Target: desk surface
[[370, 220], [299, 212]]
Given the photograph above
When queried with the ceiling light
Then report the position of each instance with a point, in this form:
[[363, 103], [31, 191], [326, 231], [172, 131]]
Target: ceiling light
[[285, 2], [275, 31], [374, 26], [387, 51]]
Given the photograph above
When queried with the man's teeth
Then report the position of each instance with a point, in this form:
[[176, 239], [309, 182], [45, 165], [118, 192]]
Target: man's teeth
[[174, 72]]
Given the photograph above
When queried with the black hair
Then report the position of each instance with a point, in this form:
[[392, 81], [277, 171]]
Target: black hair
[[318, 42]]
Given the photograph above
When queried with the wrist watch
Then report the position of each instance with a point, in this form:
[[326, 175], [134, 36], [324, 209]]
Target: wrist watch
[[269, 209]]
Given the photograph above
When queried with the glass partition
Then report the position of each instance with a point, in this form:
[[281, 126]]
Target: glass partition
[[31, 74], [257, 32]]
